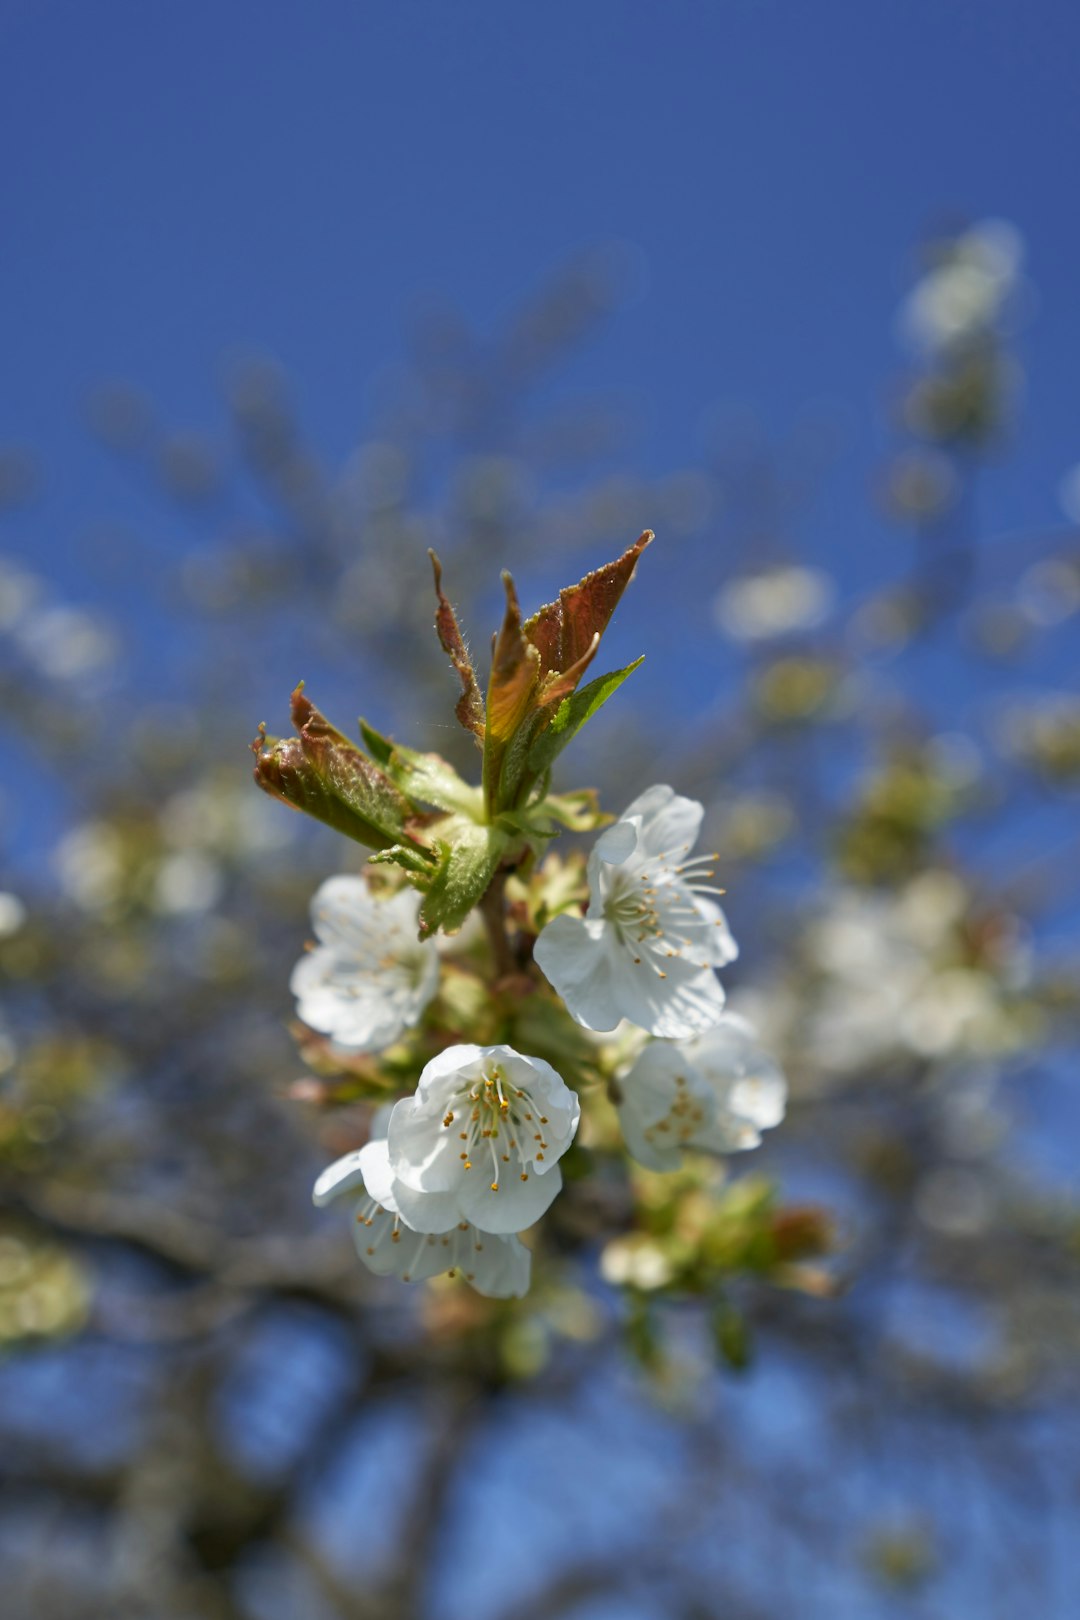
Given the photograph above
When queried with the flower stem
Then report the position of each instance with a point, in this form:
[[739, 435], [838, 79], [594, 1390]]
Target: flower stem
[[493, 911]]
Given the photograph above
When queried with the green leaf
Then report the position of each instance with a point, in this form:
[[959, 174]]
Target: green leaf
[[573, 713], [426, 778], [469, 857], [379, 747]]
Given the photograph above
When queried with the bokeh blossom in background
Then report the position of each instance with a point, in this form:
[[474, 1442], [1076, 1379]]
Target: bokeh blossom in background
[[783, 1316]]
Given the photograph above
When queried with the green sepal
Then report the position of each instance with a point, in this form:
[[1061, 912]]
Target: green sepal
[[574, 712], [469, 855], [541, 820], [578, 811], [407, 857]]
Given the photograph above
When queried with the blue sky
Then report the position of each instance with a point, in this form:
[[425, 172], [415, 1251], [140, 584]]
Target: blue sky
[[182, 179]]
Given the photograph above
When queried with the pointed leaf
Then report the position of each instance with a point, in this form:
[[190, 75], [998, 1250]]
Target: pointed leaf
[[322, 773], [515, 666], [470, 705], [563, 631], [515, 669], [425, 778], [573, 713]]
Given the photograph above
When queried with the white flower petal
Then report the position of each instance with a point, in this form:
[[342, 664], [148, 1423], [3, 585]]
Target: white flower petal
[[618, 842], [485, 1124], [515, 1206], [577, 957], [496, 1266], [343, 1175], [370, 978], [378, 1177], [651, 935], [423, 1157], [686, 1001], [426, 1211], [669, 823], [714, 1094]]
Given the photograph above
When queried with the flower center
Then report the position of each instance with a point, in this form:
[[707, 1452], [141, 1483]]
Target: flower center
[[653, 908], [497, 1122], [683, 1120]]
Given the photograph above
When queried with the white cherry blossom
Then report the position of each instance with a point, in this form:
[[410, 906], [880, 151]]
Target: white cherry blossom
[[485, 1128], [369, 978], [714, 1094], [433, 1241], [647, 946]]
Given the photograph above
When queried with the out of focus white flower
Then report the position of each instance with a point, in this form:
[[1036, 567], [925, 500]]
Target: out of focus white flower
[[212, 816], [414, 1235], [89, 863], [66, 643], [647, 946], [369, 978], [635, 1262], [715, 1094], [774, 602], [890, 980], [12, 914], [967, 294], [486, 1126], [19, 590], [187, 882], [1049, 591]]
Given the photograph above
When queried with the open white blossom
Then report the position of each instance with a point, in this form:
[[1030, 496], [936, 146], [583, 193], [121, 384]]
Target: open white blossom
[[715, 1094], [774, 602], [434, 1240], [369, 978], [647, 946], [486, 1127]]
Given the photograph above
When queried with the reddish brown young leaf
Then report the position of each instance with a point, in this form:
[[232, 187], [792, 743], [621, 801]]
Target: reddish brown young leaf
[[324, 774], [562, 632], [515, 668], [470, 705]]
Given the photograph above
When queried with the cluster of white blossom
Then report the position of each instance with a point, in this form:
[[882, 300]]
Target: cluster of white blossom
[[453, 1173], [967, 293]]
